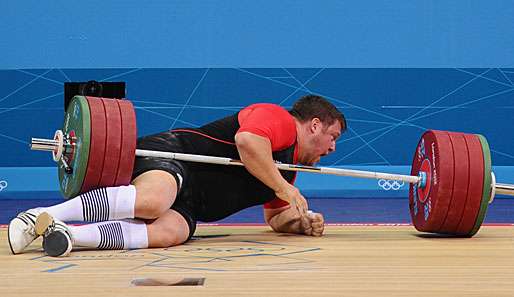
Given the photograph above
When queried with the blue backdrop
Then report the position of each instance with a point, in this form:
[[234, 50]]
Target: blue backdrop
[[387, 109]]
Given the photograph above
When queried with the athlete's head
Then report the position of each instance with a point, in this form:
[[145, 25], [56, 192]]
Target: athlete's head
[[320, 124]]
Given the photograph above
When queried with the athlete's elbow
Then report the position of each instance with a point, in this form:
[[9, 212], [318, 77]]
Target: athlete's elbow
[[243, 140], [248, 140], [247, 146]]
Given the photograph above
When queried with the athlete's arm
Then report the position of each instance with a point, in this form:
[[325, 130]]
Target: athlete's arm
[[265, 128], [255, 153]]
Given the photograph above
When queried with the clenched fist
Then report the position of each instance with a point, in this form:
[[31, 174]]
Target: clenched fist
[[313, 223]]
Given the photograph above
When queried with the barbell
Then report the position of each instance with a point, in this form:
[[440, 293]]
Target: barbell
[[451, 182]]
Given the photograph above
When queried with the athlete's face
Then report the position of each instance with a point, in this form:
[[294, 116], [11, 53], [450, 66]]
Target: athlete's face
[[323, 140]]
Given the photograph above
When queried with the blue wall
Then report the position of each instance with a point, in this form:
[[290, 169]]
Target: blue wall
[[395, 68], [387, 109]]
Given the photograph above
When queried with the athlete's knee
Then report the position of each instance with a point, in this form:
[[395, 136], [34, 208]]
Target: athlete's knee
[[155, 193], [168, 238], [168, 230]]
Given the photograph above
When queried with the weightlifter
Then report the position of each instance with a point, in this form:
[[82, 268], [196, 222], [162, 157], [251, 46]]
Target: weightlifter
[[167, 197]]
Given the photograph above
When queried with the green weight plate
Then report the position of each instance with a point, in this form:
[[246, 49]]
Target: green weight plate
[[486, 194], [77, 124]]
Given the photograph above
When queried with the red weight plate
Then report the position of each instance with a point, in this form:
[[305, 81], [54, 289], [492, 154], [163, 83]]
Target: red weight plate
[[460, 184], [428, 212], [476, 181], [112, 144], [128, 142], [97, 145]]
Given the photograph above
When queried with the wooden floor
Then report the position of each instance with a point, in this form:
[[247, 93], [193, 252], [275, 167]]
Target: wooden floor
[[252, 261]]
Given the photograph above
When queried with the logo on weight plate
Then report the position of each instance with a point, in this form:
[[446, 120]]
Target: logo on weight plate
[[3, 185], [421, 149], [76, 111], [66, 122], [434, 172], [415, 199], [427, 208]]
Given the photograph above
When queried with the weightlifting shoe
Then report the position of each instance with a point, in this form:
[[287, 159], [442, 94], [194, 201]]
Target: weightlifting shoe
[[21, 231], [57, 239]]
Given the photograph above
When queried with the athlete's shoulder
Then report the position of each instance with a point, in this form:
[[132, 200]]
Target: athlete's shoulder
[[267, 106], [271, 121], [266, 112]]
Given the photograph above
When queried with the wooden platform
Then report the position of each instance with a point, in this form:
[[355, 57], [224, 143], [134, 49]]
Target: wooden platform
[[253, 261]]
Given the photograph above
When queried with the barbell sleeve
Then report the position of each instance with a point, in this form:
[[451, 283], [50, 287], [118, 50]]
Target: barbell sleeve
[[505, 189], [41, 144]]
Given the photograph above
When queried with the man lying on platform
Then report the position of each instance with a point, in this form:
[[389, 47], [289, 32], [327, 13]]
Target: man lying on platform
[[167, 197]]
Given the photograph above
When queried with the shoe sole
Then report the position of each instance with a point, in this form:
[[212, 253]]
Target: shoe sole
[[56, 244], [9, 239], [43, 221]]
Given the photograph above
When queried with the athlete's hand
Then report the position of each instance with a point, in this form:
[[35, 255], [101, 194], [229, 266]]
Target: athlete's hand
[[313, 224], [292, 195]]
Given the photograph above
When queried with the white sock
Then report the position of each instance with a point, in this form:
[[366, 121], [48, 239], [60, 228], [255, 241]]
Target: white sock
[[103, 204], [112, 235]]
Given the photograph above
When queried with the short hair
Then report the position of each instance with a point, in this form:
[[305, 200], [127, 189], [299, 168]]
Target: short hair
[[313, 106]]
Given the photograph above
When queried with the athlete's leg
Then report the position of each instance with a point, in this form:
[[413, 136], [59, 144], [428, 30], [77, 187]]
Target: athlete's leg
[[170, 229]]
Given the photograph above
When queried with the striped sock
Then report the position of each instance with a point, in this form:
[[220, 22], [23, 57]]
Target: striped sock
[[98, 205], [112, 235]]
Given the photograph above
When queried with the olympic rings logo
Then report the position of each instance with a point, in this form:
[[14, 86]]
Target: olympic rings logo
[[390, 184], [3, 185], [421, 149]]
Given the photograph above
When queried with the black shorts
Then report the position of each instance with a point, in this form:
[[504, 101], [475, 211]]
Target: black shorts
[[175, 168]]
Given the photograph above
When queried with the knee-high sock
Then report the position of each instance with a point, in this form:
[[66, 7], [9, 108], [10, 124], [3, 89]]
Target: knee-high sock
[[98, 205], [111, 235]]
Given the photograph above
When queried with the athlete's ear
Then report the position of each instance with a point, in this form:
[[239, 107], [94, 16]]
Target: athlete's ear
[[315, 124]]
